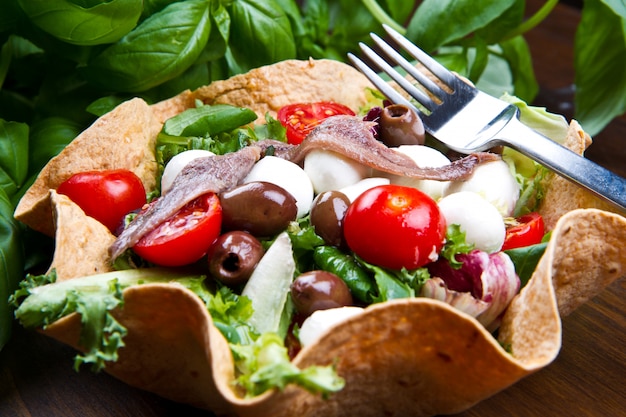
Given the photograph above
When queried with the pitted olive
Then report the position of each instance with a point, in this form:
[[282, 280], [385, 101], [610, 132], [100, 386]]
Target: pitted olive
[[319, 290], [261, 208], [233, 257], [400, 125], [327, 215]]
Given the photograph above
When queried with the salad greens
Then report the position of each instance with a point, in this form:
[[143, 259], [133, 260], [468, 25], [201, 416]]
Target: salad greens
[[262, 360]]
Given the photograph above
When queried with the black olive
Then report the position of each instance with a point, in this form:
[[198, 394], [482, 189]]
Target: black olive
[[261, 208], [327, 213], [319, 290], [233, 257], [400, 125]]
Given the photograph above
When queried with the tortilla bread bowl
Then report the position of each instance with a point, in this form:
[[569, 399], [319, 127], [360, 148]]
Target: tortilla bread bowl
[[420, 356]]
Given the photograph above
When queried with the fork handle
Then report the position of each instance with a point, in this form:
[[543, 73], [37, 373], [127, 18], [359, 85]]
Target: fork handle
[[565, 162]]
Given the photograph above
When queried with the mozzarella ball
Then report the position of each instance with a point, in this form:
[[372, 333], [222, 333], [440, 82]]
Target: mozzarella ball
[[176, 165], [355, 190], [478, 218], [424, 157], [287, 175], [322, 320], [330, 171], [493, 181]]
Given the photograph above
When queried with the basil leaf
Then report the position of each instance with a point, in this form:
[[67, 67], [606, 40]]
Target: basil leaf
[[526, 259], [220, 31], [208, 120], [96, 23], [438, 22], [13, 156], [48, 137], [11, 264], [263, 34], [600, 83], [497, 30], [517, 54], [151, 7], [160, 48]]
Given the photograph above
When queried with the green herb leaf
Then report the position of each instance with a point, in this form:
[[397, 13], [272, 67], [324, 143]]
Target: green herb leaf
[[13, 156], [160, 48], [526, 259], [90, 23], [438, 22], [600, 83], [518, 56], [263, 34], [48, 137], [208, 120], [345, 266], [11, 264]]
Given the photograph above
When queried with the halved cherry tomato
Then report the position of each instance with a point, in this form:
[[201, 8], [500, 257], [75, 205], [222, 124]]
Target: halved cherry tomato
[[107, 196], [300, 119], [527, 230], [186, 236], [394, 227]]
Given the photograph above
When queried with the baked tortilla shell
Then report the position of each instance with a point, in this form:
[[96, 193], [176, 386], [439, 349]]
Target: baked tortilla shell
[[411, 357], [562, 195], [266, 89]]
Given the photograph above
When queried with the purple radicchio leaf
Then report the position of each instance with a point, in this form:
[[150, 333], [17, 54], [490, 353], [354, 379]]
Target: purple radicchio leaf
[[489, 279]]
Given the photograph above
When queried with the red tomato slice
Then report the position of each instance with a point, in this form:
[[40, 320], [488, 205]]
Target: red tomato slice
[[527, 230], [107, 196], [186, 236], [300, 119], [394, 227]]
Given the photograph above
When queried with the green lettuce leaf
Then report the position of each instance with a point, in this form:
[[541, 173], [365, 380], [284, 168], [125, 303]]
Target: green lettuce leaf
[[93, 297], [265, 364]]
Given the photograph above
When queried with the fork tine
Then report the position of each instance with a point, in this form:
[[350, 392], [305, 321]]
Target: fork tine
[[409, 67], [433, 66], [414, 92], [382, 85]]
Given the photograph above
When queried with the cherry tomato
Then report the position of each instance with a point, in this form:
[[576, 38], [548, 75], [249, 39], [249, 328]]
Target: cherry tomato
[[300, 119], [395, 226], [527, 230], [107, 196], [186, 236]]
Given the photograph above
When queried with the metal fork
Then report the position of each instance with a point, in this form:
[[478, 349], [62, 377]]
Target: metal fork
[[467, 120]]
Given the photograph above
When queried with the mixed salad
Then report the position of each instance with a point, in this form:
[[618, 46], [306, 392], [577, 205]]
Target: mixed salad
[[280, 251]]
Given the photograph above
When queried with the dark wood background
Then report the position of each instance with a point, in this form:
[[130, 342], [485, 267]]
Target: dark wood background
[[587, 379]]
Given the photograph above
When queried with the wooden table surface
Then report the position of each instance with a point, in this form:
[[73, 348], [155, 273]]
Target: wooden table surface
[[587, 379]]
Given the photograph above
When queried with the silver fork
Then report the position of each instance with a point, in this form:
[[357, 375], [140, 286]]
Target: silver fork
[[467, 120]]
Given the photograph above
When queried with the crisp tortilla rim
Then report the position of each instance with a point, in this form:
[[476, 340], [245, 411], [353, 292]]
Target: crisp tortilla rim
[[266, 89], [75, 253], [121, 139], [416, 357]]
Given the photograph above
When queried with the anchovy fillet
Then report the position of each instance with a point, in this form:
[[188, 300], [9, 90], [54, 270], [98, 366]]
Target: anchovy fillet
[[201, 176]]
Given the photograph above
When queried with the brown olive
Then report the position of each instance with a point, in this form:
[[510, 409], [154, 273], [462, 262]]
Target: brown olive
[[261, 208], [327, 213], [319, 290], [400, 125], [233, 257]]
